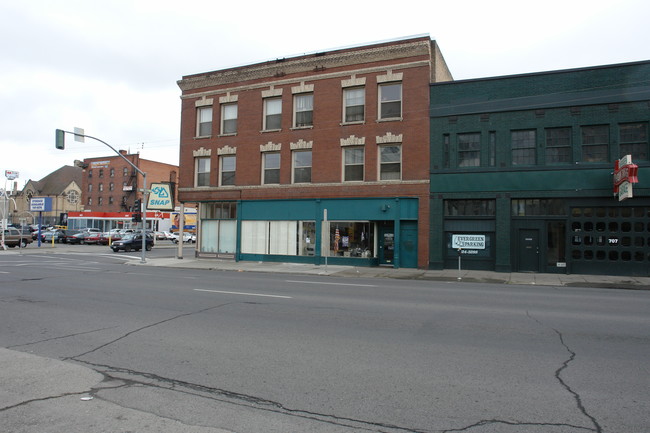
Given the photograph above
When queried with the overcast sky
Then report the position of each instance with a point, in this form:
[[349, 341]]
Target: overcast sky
[[111, 67]]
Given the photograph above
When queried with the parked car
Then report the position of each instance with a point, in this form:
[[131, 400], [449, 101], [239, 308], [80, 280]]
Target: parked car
[[132, 241], [69, 235], [162, 236], [187, 237], [91, 237], [113, 235], [14, 237], [58, 236], [77, 238]]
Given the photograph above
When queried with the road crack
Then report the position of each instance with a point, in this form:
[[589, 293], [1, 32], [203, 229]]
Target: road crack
[[76, 357], [152, 380], [558, 375], [58, 338]]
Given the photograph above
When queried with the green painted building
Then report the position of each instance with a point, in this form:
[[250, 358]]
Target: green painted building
[[522, 172]]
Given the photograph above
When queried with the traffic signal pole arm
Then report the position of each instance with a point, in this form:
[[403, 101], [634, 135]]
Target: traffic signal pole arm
[[60, 144]]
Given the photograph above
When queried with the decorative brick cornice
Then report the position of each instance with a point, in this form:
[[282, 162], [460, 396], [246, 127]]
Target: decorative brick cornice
[[204, 102], [302, 88], [227, 150], [389, 138], [353, 141], [202, 152], [301, 144], [390, 76], [270, 147], [354, 81], [390, 51], [272, 92], [228, 98]]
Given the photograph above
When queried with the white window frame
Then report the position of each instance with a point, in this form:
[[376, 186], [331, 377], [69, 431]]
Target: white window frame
[[362, 164], [347, 91], [265, 168], [227, 116], [299, 107], [203, 121], [201, 174], [222, 171], [295, 166], [382, 163], [270, 111], [383, 99]]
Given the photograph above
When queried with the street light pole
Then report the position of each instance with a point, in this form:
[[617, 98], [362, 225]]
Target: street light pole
[[60, 145]]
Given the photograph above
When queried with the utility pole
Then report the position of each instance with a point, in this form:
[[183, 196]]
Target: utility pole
[[79, 136]]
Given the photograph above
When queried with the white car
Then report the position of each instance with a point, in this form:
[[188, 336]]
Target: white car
[[187, 237]]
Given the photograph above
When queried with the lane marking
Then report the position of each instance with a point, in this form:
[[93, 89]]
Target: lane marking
[[243, 294], [331, 284]]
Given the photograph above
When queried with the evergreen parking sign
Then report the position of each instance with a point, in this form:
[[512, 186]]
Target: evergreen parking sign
[[468, 242]]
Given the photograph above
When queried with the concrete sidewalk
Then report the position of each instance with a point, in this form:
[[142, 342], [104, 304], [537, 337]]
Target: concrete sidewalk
[[190, 262], [40, 394], [576, 280]]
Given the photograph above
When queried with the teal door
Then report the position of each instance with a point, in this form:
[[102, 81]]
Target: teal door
[[408, 248]]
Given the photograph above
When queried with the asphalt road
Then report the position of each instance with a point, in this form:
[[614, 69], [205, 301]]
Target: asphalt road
[[249, 352]]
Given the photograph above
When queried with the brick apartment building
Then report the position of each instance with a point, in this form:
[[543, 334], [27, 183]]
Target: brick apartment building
[[110, 184], [320, 158]]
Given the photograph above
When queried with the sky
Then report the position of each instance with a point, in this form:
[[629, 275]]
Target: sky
[[112, 68]]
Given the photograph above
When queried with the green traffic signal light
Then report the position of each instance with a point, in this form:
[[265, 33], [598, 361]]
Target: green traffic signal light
[[60, 139]]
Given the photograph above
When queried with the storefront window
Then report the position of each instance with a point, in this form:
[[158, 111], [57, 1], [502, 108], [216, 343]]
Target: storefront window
[[352, 239], [288, 238]]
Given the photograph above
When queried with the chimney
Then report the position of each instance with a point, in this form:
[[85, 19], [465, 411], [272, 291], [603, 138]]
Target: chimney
[[123, 152]]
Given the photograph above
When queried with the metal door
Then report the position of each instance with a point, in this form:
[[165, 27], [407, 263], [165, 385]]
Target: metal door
[[528, 250]]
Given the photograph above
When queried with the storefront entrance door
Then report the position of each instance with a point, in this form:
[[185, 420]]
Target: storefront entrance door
[[528, 250], [386, 244]]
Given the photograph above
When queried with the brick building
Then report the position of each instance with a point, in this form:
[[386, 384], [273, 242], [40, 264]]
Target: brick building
[[522, 167], [110, 184], [315, 157]]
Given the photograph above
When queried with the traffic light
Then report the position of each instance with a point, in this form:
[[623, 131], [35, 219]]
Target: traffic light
[[60, 139], [137, 205], [136, 217]]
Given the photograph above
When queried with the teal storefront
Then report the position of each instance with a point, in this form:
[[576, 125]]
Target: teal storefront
[[353, 232]]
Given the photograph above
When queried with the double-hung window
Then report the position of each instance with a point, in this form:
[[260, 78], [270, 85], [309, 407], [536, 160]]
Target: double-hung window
[[523, 147], [271, 167], [353, 160], [390, 97], [469, 150], [354, 101], [303, 106], [595, 143], [227, 167], [301, 166], [202, 170], [272, 114], [558, 146], [390, 163], [204, 121], [229, 119], [634, 140]]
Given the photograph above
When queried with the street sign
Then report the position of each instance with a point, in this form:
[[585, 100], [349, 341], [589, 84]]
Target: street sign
[[160, 197], [40, 204]]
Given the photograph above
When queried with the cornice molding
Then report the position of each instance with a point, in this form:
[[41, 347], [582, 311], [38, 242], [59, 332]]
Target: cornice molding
[[202, 152], [353, 141], [309, 64]]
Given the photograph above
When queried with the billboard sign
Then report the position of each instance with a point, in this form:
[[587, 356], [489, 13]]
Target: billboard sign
[[160, 197]]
